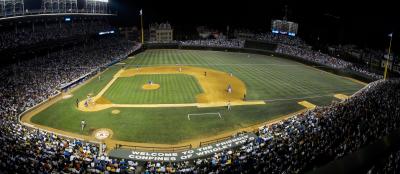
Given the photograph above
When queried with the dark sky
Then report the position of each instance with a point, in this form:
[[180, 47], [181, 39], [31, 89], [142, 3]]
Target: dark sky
[[363, 23]]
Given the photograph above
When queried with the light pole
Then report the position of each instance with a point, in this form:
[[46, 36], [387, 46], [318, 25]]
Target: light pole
[[387, 60], [141, 24]]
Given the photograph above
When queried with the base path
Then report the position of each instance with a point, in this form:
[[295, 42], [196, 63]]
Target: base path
[[341, 96], [214, 84], [307, 104], [150, 86]]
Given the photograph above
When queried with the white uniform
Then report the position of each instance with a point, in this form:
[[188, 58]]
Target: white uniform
[[83, 124]]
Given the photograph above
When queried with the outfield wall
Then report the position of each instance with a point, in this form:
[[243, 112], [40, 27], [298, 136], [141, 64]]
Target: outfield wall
[[161, 45], [263, 45]]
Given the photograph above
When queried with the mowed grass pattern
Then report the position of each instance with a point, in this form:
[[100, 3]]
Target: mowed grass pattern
[[174, 88], [266, 77], [281, 82]]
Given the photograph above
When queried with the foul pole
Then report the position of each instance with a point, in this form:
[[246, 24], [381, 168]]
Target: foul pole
[[141, 24], [387, 60]]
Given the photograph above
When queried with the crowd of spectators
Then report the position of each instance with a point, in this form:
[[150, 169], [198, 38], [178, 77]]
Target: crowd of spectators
[[290, 146], [281, 39], [359, 53], [295, 46], [372, 54], [225, 43], [324, 59], [48, 32], [313, 56], [364, 70], [391, 165], [29, 82], [289, 45], [323, 134]]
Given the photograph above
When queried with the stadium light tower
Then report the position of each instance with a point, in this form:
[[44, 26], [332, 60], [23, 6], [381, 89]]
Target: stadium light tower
[[12, 7], [96, 6], [59, 6]]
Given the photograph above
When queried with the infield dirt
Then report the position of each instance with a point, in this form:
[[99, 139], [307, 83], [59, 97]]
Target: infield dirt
[[214, 84]]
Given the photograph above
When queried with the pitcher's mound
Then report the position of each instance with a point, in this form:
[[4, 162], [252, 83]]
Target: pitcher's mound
[[153, 86]]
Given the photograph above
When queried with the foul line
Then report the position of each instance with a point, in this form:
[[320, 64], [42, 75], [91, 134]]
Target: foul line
[[218, 64], [299, 98], [109, 83], [306, 97], [219, 115]]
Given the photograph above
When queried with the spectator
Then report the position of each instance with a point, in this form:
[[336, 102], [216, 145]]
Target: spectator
[[290, 146], [233, 43]]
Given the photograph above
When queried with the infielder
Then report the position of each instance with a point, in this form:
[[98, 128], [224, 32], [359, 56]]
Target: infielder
[[83, 124]]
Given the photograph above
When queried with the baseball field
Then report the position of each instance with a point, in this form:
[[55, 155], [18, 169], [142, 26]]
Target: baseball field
[[182, 96]]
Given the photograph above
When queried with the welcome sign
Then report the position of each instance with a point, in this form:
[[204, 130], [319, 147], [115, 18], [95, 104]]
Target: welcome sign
[[183, 155]]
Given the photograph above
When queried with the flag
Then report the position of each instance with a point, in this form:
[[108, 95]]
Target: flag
[[391, 35], [141, 12]]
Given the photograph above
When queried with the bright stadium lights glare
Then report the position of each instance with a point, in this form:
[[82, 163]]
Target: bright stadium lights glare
[[102, 1], [106, 32]]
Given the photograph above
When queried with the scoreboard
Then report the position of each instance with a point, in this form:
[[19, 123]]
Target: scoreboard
[[284, 27]]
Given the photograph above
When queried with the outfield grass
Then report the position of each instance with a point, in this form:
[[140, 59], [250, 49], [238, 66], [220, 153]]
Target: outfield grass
[[281, 82], [174, 88], [266, 77]]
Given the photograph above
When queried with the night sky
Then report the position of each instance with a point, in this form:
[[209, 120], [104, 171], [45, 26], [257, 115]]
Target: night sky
[[365, 23]]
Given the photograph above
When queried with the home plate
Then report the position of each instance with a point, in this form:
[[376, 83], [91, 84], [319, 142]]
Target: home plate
[[102, 133]]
